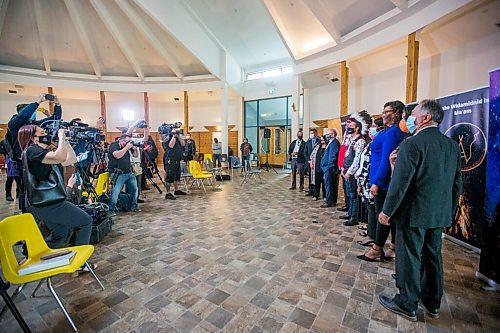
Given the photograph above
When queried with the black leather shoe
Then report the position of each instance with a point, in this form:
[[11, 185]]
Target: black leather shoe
[[140, 201], [343, 209], [351, 223], [390, 305], [292, 188], [179, 192], [345, 217], [434, 313]]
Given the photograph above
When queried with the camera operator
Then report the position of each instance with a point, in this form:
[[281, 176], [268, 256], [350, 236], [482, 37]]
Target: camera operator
[[173, 146], [148, 159], [189, 149], [26, 114], [60, 216], [119, 160]]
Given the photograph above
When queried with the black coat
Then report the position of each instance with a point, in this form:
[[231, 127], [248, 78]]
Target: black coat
[[310, 147], [427, 181], [301, 157]]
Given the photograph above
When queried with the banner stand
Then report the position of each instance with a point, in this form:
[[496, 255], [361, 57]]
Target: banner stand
[[461, 243]]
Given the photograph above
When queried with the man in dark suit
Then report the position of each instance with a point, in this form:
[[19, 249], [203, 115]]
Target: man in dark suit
[[330, 169], [422, 196], [298, 158], [311, 142]]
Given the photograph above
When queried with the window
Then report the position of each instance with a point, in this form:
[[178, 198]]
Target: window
[[269, 73]]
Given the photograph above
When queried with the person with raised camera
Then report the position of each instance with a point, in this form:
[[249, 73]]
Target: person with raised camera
[[119, 162], [173, 146], [43, 169], [26, 114]]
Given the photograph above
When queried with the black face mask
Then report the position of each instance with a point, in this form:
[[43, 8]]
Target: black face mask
[[350, 130], [300, 137], [45, 139]]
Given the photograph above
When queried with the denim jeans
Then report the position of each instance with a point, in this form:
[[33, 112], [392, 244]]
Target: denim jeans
[[129, 180], [352, 196], [217, 160]]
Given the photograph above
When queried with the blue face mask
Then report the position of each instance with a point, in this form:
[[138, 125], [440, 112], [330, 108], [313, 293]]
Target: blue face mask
[[410, 123], [373, 131]]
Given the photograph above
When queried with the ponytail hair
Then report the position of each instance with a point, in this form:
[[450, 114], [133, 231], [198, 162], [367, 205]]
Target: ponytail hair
[[26, 136]]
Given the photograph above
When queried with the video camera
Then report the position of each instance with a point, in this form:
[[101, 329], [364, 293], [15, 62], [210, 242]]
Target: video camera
[[76, 131], [168, 129]]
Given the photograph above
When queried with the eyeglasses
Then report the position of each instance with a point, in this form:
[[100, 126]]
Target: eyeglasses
[[385, 111]]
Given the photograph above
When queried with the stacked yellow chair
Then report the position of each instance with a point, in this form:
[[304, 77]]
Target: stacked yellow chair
[[198, 175], [14, 229], [102, 186]]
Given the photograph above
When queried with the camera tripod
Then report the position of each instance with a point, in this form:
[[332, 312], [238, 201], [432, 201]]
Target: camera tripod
[[151, 171], [266, 166]]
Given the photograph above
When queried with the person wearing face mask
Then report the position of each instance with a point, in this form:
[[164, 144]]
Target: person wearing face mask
[[380, 175], [421, 199], [311, 142], [315, 167], [329, 167], [342, 151], [358, 128], [26, 114], [363, 182], [246, 150], [60, 216], [189, 149], [297, 157]]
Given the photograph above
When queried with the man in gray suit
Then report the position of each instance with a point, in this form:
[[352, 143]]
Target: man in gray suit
[[422, 196]]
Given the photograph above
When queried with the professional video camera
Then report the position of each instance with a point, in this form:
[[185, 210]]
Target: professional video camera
[[167, 129], [75, 133], [142, 124]]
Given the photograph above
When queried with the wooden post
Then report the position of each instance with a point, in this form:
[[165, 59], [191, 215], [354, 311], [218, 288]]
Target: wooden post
[[344, 89], [50, 90], [412, 68], [146, 108], [186, 112], [103, 112]]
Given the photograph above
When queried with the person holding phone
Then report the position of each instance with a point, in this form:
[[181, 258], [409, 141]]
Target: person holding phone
[[26, 114], [60, 216]]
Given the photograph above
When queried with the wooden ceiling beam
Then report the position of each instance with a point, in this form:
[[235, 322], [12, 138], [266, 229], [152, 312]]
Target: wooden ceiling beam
[[151, 37], [83, 34], [40, 27], [108, 20]]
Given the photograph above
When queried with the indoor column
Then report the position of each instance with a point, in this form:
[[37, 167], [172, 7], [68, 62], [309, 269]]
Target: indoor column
[[186, 113], [344, 89], [412, 68], [307, 113], [294, 108], [224, 119]]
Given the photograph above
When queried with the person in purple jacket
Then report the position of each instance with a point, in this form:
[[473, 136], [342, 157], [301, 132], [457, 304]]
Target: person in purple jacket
[[380, 176]]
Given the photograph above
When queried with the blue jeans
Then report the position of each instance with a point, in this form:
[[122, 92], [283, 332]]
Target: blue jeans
[[217, 160], [352, 196], [129, 180]]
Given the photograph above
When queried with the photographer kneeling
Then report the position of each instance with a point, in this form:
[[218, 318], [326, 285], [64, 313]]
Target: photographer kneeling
[[42, 170], [119, 159], [173, 146]]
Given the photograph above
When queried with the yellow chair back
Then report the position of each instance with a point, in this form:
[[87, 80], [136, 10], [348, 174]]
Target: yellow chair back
[[16, 228], [102, 186], [208, 157]]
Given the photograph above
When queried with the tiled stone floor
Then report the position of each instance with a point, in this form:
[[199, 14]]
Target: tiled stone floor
[[252, 258]]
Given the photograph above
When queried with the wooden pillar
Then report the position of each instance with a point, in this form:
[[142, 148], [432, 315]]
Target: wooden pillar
[[344, 89], [412, 68], [50, 90], [186, 112], [146, 108], [103, 112]]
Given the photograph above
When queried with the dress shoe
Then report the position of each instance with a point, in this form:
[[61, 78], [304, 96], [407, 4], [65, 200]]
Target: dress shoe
[[351, 223], [345, 217], [390, 305], [140, 201], [292, 188], [434, 313], [169, 196], [343, 209], [325, 205], [9, 198]]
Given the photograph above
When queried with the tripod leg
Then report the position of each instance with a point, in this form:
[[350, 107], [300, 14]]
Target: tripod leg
[[15, 312]]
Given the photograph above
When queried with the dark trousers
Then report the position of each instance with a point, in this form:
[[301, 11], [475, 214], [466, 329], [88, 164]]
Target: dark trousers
[[419, 267], [371, 230], [311, 175], [8, 186], [319, 183], [300, 168], [217, 160], [352, 196], [346, 189], [383, 230], [331, 186]]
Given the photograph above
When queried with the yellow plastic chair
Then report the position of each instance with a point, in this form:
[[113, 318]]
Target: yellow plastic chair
[[208, 157], [14, 229], [198, 175], [102, 186]]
